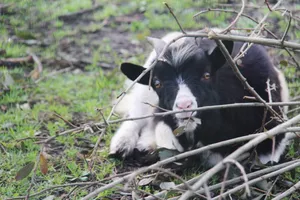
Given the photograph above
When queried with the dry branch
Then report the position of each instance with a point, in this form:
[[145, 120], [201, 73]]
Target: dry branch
[[34, 172], [268, 42], [228, 182], [171, 11], [14, 62], [241, 150], [224, 106], [188, 154], [288, 192], [263, 177], [235, 20], [244, 81], [252, 19], [241, 168], [71, 16]]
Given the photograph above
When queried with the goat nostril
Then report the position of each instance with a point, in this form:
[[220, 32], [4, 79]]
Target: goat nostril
[[184, 104]]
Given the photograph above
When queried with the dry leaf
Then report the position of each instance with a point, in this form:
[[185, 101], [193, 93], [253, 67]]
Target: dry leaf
[[145, 181], [43, 163], [25, 171], [167, 185], [178, 131], [35, 74]]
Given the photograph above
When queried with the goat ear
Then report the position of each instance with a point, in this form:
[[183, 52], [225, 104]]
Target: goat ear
[[132, 71], [158, 44], [216, 56]]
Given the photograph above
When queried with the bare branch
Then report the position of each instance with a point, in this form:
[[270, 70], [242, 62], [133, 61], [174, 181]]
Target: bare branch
[[268, 5], [287, 28], [239, 151], [230, 182], [263, 177], [235, 20], [279, 129], [34, 173], [224, 106], [288, 192], [243, 79], [241, 168], [224, 180], [207, 193], [211, 36], [252, 19], [170, 10]]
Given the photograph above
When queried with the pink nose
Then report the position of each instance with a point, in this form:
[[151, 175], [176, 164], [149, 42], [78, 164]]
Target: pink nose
[[184, 104]]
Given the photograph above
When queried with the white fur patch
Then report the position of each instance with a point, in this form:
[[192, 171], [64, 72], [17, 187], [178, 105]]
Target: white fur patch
[[165, 137], [278, 152], [208, 158], [125, 138], [147, 139]]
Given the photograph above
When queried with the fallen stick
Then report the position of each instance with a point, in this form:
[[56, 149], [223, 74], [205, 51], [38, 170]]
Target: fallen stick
[[15, 62], [70, 16]]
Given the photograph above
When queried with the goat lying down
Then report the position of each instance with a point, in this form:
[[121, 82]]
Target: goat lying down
[[194, 73]]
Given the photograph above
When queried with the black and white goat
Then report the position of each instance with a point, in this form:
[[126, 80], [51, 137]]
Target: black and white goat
[[194, 73]]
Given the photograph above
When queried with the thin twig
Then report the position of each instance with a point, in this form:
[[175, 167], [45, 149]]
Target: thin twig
[[73, 15], [98, 142], [287, 28], [235, 20], [154, 106], [288, 192], [66, 121], [263, 177], [268, 193], [69, 185], [224, 180], [37, 61], [241, 168], [2, 148], [34, 173], [78, 129], [243, 79], [207, 193], [254, 20], [232, 181], [171, 11], [224, 106], [268, 5], [258, 27]]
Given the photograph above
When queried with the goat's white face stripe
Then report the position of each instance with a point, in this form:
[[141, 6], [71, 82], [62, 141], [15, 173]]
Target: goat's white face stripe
[[185, 98]]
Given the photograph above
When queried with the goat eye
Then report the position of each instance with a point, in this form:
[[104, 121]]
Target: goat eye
[[157, 83], [206, 76]]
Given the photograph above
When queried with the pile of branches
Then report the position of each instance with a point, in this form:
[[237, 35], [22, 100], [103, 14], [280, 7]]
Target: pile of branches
[[201, 185]]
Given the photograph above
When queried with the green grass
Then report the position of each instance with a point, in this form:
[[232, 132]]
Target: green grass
[[75, 96]]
